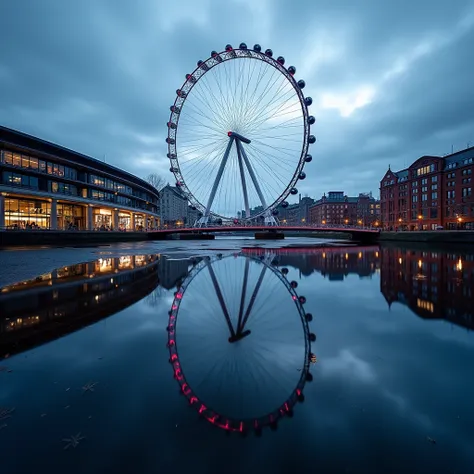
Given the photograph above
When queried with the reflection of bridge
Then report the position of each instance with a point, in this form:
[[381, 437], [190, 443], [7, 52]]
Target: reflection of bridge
[[55, 304], [359, 234]]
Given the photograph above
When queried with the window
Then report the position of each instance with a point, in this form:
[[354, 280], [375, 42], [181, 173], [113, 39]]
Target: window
[[434, 195], [434, 179], [466, 192], [414, 198], [16, 179], [426, 169], [434, 187], [424, 197]]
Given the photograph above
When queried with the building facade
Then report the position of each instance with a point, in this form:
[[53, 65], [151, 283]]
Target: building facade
[[434, 191], [338, 209], [173, 206], [46, 186]]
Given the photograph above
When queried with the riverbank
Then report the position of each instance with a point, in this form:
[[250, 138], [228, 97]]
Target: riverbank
[[13, 238], [461, 237]]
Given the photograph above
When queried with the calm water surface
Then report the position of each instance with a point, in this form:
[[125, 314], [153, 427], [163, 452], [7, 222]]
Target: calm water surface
[[294, 360]]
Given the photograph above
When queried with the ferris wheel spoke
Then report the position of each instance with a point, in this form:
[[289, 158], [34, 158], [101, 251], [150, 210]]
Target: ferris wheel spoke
[[223, 108], [198, 110], [258, 104], [264, 115]]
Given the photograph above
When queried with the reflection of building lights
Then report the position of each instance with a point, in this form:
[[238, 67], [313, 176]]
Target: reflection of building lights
[[400, 260], [459, 265], [420, 263], [324, 254], [376, 255], [423, 304], [347, 256], [111, 280], [97, 297], [360, 254]]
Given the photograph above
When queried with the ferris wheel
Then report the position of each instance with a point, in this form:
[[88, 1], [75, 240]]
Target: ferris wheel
[[241, 358], [238, 135]]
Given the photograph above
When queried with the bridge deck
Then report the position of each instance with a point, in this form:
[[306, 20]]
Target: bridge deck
[[347, 230]]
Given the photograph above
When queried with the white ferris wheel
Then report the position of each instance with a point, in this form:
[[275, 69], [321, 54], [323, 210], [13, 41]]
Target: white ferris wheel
[[238, 136]]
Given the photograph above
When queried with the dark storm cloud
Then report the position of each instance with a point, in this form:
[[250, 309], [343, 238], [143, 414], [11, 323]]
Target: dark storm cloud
[[99, 77]]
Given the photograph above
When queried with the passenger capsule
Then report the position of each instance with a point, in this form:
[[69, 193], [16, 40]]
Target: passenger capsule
[[175, 109], [285, 204], [275, 212], [199, 63], [171, 125], [302, 299], [171, 156], [309, 377], [312, 139], [269, 52], [281, 60], [243, 46], [308, 158], [294, 284], [312, 337], [213, 54], [257, 48], [173, 170], [309, 317], [285, 271], [170, 141], [228, 47], [293, 191], [301, 84], [308, 101], [311, 120], [178, 184], [302, 175], [193, 208], [292, 70]]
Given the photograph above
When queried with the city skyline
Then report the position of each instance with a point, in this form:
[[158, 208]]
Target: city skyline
[[379, 81]]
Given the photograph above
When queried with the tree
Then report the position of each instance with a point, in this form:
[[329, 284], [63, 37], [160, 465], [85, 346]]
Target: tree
[[156, 181]]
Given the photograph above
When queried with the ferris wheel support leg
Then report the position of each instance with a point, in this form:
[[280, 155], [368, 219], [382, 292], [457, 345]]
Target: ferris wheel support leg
[[254, 296], [221, 299], [242, 177], [204, 219], [242, 298], [252, 175]]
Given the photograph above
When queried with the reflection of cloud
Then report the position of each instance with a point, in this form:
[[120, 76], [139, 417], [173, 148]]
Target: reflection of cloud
[[350, 365]]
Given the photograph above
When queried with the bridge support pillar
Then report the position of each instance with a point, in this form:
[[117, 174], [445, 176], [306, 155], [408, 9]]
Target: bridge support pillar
[[269, 235]]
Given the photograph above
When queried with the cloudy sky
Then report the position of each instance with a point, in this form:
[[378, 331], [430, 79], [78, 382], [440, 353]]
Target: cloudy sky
[[390, 81]]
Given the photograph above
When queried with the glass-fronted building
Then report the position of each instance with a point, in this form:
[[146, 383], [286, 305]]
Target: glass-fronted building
[[46, 186]]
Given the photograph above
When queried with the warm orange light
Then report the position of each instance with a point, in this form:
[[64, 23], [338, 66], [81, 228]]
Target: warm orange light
[[420, 263], [400, 260], [420, 217], [324, 222]]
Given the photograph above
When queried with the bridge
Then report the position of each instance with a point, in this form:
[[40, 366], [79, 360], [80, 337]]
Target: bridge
[[357, 234]]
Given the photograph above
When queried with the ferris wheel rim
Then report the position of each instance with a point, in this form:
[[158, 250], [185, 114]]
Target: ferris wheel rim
[[233, 424], [192, 79]]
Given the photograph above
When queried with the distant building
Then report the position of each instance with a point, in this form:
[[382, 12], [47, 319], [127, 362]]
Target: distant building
[[434, 191], [173, 206], [338, 209]]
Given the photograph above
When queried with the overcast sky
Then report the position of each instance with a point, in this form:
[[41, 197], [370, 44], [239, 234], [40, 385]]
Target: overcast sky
[[390, 80]]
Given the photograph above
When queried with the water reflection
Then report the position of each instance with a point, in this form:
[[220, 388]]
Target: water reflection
[[52, 305], [244, 342], [388, 382], [434, 285]]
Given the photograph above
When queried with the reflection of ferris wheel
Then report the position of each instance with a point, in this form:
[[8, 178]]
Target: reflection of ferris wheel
[[240, 358], [238, 135]]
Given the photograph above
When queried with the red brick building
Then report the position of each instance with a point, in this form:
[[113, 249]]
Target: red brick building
[[433, 191], [338, 209]]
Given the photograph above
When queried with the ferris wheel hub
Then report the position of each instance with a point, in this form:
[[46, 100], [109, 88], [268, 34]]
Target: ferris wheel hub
[[238, 136]]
